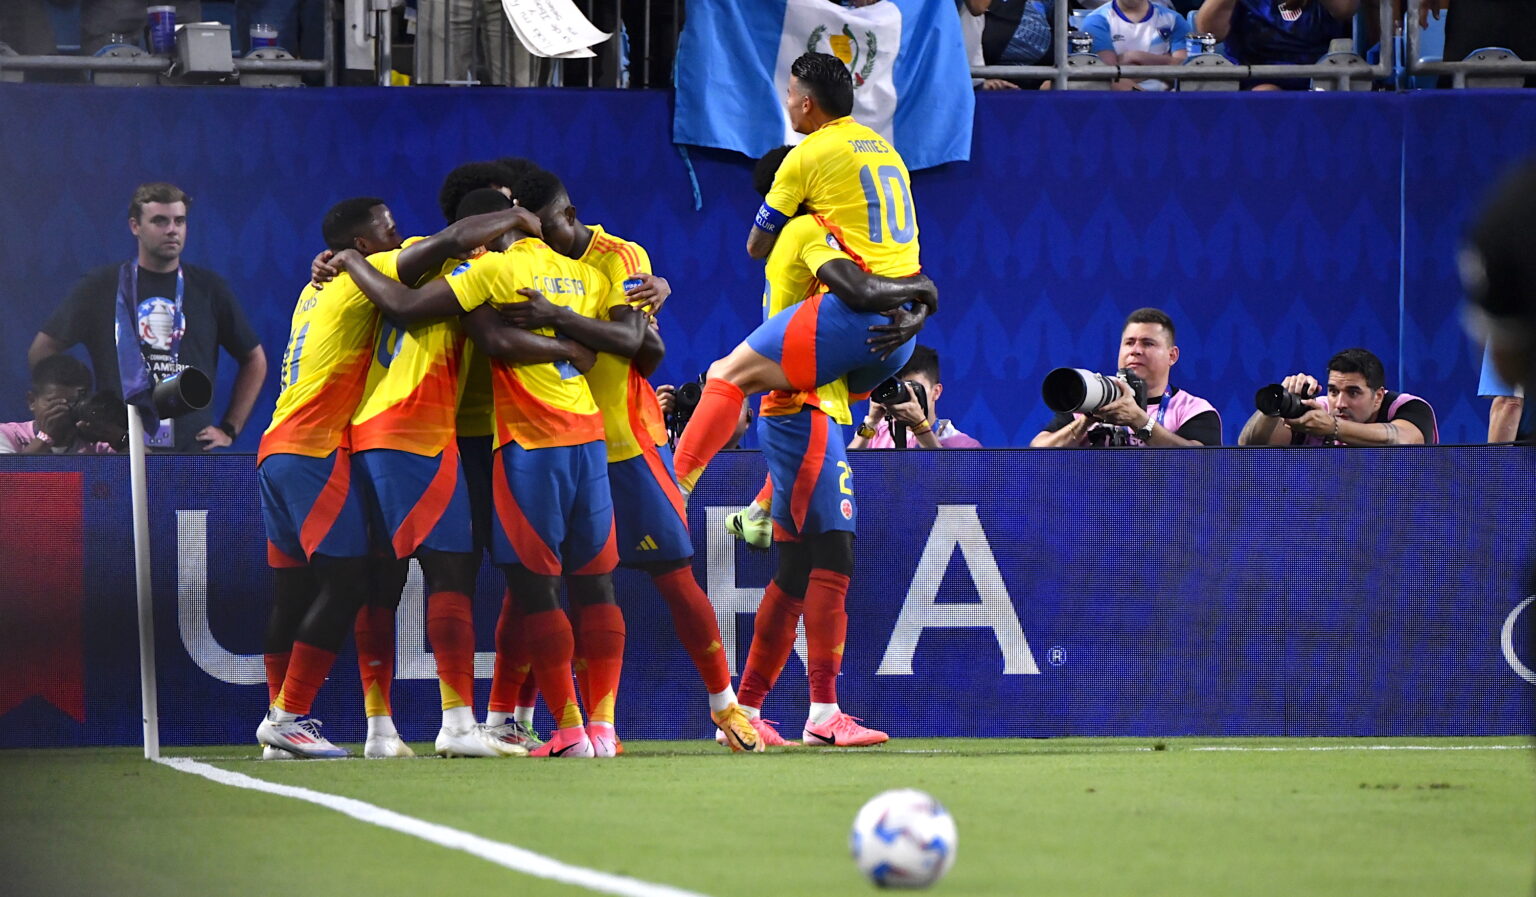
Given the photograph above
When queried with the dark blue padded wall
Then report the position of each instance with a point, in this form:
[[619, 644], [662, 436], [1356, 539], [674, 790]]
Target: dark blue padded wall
[[1269, 226]]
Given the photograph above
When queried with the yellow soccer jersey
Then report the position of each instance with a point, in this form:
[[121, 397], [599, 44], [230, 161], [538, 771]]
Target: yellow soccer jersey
[[626, 399], [325, 367], [857, 182], [538, 405], [412, 398], [476, 410], [804, 245]]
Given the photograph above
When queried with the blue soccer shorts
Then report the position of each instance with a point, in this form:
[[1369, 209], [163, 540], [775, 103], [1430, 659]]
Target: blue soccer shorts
[[648, 511], [812, 482], [309, 507], [415, 501], [820, 340], [553, 510]]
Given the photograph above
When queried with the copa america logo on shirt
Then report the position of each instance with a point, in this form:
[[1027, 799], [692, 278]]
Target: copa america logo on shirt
[[159, 324]]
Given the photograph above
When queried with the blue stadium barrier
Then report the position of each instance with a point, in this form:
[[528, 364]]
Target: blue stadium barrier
[[1277, 229], [1218, 592]]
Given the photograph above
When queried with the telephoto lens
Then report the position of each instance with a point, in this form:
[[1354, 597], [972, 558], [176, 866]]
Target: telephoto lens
[[1275, 401], [1078, 391]]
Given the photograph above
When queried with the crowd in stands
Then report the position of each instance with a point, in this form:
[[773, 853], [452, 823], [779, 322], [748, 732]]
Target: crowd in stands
[[469, 42]]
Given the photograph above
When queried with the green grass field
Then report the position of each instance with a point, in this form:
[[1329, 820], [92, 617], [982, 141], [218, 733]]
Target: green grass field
[[1048, 817]]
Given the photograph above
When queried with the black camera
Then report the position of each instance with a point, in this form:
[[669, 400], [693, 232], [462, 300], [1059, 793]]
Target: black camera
[[685, 398], [1081, 391], [182, 393], [899, 392], [102, 418], [1275, 401]]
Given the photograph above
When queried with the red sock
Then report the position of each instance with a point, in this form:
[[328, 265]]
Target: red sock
[[277, 669], [694, 619], [451, 632], [510, 674], [307, 669], [374, 632], [579, 661], [826, 628], [773, 637], [764, 497], [551, 644], [708, 431], [602, 632]]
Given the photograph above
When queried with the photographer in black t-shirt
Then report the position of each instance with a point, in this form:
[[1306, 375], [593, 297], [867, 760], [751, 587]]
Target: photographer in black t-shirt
[[1357, 410], [183, 316]]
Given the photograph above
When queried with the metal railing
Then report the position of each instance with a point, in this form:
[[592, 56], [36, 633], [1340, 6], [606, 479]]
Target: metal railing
[[1061, 72]]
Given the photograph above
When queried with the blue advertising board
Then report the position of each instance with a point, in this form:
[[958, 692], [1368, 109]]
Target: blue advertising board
[[996, 593]]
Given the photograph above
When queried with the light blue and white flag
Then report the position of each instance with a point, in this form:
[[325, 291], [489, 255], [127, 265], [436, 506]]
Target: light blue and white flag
[[911, 80]]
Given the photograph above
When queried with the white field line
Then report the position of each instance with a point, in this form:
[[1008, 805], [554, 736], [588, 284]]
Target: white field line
[[1363, 747], [515, 858]]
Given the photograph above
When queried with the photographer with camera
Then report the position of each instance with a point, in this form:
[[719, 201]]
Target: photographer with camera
[[182, 314], [907, 406], [1357, 409], [677, 404], [65, 421], [1137, 407]]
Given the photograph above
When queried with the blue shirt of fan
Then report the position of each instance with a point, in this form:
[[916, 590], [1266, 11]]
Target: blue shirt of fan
[[1260, 35]]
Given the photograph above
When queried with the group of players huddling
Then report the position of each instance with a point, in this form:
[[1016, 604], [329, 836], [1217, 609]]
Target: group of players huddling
[[485, 388]]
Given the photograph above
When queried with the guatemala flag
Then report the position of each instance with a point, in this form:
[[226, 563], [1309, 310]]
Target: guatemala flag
[[910, 76]]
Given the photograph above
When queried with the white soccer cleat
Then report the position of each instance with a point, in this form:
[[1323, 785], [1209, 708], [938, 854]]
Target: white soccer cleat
[[268, 752], [476, 741], [385, 747], [514, 732], [299, 736]]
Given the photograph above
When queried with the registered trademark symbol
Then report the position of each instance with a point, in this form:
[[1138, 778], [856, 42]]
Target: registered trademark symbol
[[1058, 656]]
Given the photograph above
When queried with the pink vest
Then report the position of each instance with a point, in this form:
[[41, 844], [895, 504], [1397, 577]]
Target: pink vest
[[1181, 407], [1402, 399]]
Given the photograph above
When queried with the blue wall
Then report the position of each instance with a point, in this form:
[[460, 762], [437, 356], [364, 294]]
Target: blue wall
[[1218, 592], [1276, 229]]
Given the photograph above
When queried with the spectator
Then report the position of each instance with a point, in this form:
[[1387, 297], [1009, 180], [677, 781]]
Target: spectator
[[1138, 32], [972, 23], [1172, 417], [463, 40], [925, 427], [1507, 410], [183, 313], [1499, 275], [26, 28], [1471, 25], [1358, 410], [1276, 32], [1017, 32], [60, 421]]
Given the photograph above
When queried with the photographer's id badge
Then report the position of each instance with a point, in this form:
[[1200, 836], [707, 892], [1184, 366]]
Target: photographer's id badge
[[164, 437]]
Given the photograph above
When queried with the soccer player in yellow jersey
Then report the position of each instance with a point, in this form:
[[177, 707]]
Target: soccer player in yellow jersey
[[553, 513], [855, 182], [406, 467], [651, 526]]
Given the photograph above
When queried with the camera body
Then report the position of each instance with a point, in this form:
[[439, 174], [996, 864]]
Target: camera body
[[1275, 401], [898, 392], [685, 399], [1081, 391], [102, 418]]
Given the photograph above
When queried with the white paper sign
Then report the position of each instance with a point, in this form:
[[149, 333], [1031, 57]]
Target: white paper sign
[[552, 27]]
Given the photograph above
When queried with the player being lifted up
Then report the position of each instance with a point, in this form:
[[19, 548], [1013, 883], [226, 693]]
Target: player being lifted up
[[857, 184], [553, 514], [650, 523]]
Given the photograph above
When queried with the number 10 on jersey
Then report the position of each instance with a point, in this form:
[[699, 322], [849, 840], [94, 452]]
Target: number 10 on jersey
[[890, 204]]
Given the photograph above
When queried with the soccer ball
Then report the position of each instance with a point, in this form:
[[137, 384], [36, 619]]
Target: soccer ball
[[903, 839]]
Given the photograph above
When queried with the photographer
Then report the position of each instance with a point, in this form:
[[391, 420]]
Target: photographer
[[923, 424], [1357, 410], [666, 397], [1171, 418], [64, 421]]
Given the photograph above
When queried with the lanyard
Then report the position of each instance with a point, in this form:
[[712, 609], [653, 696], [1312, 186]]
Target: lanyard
[[178, 319]]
